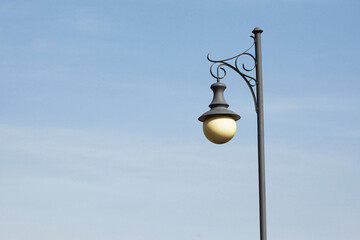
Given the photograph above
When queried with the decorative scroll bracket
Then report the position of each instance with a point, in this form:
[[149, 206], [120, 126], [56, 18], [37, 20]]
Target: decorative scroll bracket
[[218, 71]]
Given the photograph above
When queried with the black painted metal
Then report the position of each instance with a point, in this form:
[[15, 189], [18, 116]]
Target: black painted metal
[[258, 102], [218, 105], [260, 125]]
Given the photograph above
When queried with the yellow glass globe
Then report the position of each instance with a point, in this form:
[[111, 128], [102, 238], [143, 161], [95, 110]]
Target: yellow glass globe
[[219, 129]]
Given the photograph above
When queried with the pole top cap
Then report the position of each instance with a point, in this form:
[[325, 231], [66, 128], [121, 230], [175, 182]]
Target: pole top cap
[[257, 30]]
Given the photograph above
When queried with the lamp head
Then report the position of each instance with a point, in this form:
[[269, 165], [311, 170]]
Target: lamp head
[[219, 122]]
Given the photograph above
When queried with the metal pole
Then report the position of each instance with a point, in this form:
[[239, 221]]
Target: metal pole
[[260, 125]]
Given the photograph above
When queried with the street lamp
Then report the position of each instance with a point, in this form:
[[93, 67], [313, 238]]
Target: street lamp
[[219, 122]]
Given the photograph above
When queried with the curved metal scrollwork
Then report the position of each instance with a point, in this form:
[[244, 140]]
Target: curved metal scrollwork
[[218, 71]]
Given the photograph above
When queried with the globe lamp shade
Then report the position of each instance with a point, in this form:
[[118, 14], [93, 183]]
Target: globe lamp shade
[[219, 124], [219, 129]]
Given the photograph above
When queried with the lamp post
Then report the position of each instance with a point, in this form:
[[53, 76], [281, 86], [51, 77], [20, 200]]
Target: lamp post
[[219, 122]]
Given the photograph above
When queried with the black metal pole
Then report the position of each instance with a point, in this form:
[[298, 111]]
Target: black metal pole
[[260, 126]]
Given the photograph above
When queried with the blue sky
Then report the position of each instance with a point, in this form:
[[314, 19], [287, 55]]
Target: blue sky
[[99, 137]]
